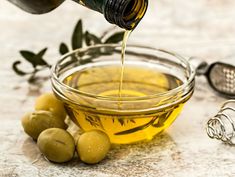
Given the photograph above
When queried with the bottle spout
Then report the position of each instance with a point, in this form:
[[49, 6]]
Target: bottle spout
[[125, 13]]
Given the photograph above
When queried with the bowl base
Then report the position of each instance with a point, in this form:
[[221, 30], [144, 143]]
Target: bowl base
[[126, 130]]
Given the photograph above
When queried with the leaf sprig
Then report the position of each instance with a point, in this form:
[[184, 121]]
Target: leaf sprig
[[35, 59], [79, 39]]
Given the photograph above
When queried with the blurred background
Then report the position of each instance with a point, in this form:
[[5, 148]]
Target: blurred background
[[203, 28]]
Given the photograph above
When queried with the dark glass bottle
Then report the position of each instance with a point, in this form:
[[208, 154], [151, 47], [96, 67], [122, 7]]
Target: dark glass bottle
[[124, 13]]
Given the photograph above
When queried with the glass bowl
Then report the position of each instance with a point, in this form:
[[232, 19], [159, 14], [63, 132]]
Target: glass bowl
[[156, 85]]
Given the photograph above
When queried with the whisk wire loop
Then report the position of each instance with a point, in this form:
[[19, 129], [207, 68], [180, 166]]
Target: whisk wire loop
[[222, 125]]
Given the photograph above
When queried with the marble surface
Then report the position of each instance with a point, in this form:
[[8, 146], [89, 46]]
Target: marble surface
[[202, 28]]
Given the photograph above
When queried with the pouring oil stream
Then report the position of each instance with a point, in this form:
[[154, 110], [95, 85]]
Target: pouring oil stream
[[123, 52]]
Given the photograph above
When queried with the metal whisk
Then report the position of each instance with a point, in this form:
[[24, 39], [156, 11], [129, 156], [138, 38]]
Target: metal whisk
[[222, 125]]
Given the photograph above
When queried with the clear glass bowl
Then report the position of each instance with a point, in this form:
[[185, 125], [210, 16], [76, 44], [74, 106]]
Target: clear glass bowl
[[156, 85]]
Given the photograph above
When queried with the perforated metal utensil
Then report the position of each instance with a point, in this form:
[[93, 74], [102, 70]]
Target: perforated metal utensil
[[221, 76]]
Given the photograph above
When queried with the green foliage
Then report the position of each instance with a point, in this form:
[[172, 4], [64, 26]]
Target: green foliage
[[63, 49], [79, 38], [91, 39], [115, 38]]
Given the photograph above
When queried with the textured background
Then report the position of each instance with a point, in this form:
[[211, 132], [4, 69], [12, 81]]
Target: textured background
[[202, 28]]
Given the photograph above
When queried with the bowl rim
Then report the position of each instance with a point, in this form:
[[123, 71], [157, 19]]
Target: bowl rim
[[188, 83]]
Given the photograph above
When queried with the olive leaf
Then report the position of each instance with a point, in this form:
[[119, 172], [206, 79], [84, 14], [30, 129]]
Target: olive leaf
[[63, 48], [77, 36], [94, 121], [41, 53], [91, 39], [34, 59], [115, 38], [162, 119], [29, 56], [121, 121], [142, 127], [39, 58]]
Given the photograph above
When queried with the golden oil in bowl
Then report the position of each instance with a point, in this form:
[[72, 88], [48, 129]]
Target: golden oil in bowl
[[153, 93]]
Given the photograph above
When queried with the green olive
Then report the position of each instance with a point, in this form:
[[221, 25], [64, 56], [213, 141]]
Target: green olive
[[49, 102], [93, 146], [57, 145], [36, 122]]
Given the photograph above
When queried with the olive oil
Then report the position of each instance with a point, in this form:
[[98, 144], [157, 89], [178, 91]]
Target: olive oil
[[124, 43], [138, 81]]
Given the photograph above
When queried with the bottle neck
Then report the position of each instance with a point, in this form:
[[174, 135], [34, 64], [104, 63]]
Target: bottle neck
[[124, 13]]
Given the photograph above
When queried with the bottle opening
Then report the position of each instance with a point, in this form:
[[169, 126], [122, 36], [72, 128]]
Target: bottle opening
[[129, 10], [126, 13]]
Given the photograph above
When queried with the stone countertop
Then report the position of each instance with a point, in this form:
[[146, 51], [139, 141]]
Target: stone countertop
[[201, 28]]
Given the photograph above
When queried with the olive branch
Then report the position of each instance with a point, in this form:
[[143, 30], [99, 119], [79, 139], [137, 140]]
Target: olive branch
[[80, 38]]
